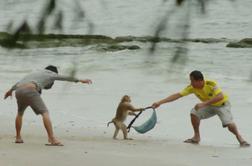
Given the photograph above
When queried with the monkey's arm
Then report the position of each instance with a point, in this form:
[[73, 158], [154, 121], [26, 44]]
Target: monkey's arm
[[132, 113], [133, 109]]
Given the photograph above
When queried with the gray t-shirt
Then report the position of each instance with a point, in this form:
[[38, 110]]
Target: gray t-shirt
[[43, 79]]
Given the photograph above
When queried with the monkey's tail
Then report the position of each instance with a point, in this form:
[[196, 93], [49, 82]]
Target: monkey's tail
[[109, 123]]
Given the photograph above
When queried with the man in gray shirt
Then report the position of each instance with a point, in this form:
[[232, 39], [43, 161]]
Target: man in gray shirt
[[27, 92]]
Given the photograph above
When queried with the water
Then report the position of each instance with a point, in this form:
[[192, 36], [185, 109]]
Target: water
[[144, 77], [135, 17]]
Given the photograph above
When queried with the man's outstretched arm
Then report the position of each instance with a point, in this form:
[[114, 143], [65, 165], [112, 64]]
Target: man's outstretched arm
[[167, 99], [86, 81]]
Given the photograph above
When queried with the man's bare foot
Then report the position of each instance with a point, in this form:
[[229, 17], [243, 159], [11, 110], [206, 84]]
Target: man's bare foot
[[191, 141], [19, 141], [54, 142], [244, 144], [128, 138]]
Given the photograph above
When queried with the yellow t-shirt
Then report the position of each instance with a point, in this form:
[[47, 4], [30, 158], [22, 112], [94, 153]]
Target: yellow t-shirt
[[209, 91]]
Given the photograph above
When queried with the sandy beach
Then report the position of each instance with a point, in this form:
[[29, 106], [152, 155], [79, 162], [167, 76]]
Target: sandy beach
[[95, 147], [80, 113]]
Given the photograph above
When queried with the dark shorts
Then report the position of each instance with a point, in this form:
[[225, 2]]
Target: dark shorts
[[30, 97]]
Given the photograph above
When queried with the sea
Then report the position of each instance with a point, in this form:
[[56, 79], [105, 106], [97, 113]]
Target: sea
[[145, 76]]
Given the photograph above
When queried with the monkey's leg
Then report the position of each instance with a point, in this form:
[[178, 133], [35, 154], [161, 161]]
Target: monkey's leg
[[125, 132], [116, 131]]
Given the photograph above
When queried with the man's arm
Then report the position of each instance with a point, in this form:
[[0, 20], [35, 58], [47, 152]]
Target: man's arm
[[86, 81], [9, 92], [72, 79], [215, 99], [167, 99]]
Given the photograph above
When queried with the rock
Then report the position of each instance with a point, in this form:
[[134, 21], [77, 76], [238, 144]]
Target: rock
[[207, 40], [51, 40], [133, 47], [4, 35], [244, 43], [116, 47], [247, 41]]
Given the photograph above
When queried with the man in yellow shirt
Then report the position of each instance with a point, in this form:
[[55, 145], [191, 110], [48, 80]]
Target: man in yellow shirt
[[213, 102]]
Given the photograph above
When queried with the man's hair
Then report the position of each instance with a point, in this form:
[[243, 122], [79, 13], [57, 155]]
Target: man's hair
[[197, 75], [52, 68]]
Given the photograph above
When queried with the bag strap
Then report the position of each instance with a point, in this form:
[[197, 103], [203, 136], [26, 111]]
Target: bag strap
[[133, 120]]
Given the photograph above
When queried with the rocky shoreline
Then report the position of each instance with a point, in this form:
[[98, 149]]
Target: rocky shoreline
[[244, 43], [104, 43]]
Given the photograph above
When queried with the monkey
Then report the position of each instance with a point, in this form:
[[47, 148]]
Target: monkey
[[123, 110]]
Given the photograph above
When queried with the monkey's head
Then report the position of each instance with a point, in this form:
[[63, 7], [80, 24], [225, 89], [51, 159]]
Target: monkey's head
[[125, 98]]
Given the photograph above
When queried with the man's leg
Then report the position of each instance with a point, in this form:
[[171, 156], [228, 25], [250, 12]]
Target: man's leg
[[195, 123], [226, 118], [22, 105], [233, 129], [18, 124], [39, 107], [196, 116], [196, 137], [48, 126]]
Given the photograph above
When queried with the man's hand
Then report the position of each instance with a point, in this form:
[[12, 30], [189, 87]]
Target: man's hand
[[155, 105], [86, 81], [7, 94], [199, 106]]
